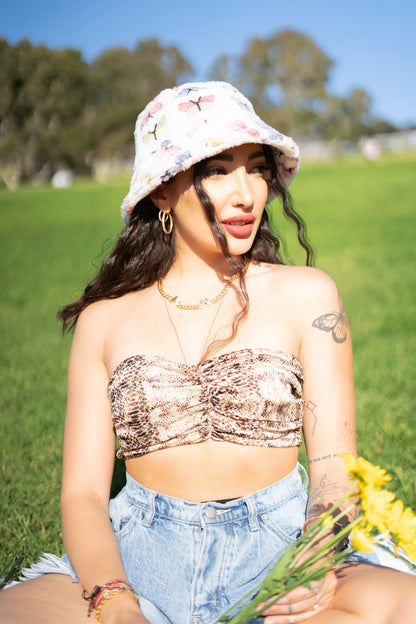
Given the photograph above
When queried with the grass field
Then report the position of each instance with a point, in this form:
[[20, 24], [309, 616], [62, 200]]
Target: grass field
[[362, 221]]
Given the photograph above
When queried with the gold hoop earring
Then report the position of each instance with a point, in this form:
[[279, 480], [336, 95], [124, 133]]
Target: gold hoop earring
[[166, 220]]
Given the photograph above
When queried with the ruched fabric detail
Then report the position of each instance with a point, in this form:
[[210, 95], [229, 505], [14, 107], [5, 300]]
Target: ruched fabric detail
[[250, 396]]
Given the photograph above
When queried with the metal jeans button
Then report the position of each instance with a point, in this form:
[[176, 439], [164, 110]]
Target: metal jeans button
[[210, 512]]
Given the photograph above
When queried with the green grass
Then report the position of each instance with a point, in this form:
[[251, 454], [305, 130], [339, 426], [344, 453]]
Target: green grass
[[362, 221]]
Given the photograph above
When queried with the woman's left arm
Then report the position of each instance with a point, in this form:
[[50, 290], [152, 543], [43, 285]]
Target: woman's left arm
[[329, 417], [329, 420]]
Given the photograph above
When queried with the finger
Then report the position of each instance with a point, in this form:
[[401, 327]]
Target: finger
[[295, 595], [293, 618], [304, 600]]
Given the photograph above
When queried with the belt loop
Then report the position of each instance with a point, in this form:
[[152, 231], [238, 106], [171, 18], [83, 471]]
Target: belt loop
[[252, 513], [149, 514]]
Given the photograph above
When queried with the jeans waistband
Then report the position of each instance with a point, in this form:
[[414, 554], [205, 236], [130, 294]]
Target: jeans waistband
[[154, 504]]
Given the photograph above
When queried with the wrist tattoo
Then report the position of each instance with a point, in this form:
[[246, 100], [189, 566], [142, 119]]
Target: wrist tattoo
[[317, 459]]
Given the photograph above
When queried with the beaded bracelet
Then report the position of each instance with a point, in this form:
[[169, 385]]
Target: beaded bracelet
[[102, 594], [109, 594]]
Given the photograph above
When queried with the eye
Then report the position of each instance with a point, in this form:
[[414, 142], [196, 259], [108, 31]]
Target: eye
[[214, 170], [263, 169]]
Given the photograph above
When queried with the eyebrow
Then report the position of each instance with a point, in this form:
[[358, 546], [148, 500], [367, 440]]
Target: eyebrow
[[229, 157]]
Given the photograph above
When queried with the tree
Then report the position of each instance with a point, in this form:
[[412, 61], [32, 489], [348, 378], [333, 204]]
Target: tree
[[57, 111], [346, 118], [43, 99]]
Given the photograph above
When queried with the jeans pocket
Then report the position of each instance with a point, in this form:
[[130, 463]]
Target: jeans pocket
[[123, 514], [286, 520]]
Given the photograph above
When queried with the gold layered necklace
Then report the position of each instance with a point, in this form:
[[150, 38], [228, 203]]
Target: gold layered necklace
[[177, 333], [176, 301], [203, 303]]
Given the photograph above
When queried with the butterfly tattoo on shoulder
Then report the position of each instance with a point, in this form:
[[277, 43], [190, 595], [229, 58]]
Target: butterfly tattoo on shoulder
[[334, 322]]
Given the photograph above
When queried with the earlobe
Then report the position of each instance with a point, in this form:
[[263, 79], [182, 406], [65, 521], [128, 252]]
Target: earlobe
[[160, 199]]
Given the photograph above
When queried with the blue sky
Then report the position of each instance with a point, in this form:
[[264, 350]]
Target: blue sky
[[372, 42]]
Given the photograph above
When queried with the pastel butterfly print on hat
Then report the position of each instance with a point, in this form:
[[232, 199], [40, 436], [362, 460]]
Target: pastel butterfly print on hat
[[285, 162], [274, 135], [168, 147], [241, 127], [334, 322], [178, 166], [148, 114], [152, 135], [244, 104], [191, 107], [185, 91]]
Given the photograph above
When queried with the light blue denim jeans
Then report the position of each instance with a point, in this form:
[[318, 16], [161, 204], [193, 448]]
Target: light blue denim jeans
[[190, 562]]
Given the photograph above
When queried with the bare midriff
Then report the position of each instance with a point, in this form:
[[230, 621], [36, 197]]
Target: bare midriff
[[212, 470]]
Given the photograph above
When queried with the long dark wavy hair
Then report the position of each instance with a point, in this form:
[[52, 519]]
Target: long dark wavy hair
[[144, 253]]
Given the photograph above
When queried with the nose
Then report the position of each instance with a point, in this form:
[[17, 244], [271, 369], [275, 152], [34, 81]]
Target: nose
[[242, 195]]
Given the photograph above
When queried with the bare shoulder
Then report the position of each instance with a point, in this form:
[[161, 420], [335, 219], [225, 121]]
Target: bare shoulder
[[95, 322], [311, 286], [94, 316], [318, 303], [308, 297], [304, 286]]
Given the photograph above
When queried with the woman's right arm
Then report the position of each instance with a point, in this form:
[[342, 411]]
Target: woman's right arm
[[89, 447]]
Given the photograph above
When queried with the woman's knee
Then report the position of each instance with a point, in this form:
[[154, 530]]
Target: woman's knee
[[376, 594], [45, 600]]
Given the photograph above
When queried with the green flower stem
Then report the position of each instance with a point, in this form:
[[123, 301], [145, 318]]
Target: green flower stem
[[317, 530], [271, 589], [290, 571]]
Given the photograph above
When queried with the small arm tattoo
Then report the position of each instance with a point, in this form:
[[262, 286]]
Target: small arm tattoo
[[311, 406], [317, 459], [324, 491], [334, 322]]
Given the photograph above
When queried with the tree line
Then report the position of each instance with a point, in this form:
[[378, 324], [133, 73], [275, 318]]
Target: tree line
[[58, 111]]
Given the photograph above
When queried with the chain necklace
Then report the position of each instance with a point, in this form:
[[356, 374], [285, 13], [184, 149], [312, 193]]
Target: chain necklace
[[203, 302], [177, 333]]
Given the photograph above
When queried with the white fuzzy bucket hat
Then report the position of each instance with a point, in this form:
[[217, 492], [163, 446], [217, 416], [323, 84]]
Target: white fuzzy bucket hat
[[194, 121]]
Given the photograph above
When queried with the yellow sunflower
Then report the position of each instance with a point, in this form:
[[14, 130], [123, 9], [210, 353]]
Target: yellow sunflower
[[361, 539], [376, 506], [364, 471], [402, 525]]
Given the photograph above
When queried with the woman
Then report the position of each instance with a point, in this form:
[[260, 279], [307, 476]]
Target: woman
[[201, 349]]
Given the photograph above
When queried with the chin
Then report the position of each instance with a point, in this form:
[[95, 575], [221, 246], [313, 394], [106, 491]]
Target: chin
[[241, 246]]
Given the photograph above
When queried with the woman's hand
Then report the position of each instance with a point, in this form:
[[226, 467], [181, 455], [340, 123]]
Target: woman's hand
[[302, 603]]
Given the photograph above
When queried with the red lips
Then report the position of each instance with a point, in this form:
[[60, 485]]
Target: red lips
[[240, 225]]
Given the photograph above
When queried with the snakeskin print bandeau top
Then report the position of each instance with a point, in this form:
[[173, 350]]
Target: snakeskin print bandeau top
[[249, 396]]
